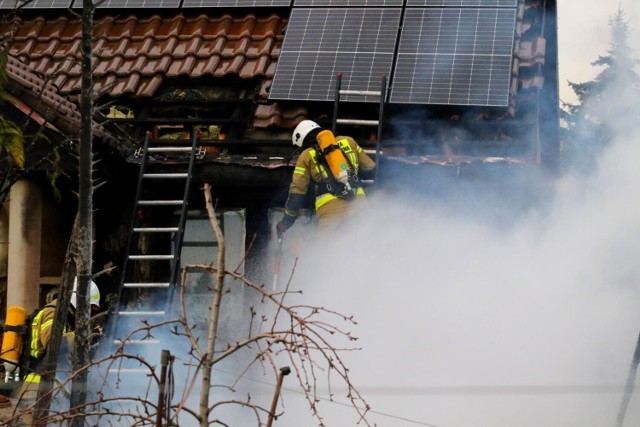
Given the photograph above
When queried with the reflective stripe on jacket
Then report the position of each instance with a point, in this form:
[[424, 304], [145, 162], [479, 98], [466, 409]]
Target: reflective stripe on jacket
[[307, 170], [41, 330]]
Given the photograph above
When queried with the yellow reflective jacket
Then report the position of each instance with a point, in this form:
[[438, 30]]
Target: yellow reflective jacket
[[308, 170]]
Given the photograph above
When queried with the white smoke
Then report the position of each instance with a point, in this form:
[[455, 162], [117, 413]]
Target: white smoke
[[468, 322]]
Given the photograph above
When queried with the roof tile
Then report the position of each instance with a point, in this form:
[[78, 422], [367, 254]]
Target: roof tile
[[275, 115], [149, 86], [195, 27], [146, 28], [162, 48], [157, 65], [211, 48], [218, 27], [53, 29], [246, 45], [32, 30], [145, 51], [134, 47], [243, 27], [128, 67], [43, 48], [205, 66], [122, 28], [181, 67], [254, 67], [169, 28], [187, 47], [235, 47], [260, 47]]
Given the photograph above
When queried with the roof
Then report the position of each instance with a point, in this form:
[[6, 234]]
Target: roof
[[45, 105], [135, 55]]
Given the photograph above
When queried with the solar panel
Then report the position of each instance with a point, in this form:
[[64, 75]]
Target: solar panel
[[122, 4], [236, 3], [455, 56], [319, 43], [347, 3], [32, 4], [463, 3]]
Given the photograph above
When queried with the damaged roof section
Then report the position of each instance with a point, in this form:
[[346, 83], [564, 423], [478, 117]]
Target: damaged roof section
[[38, 99], [135, 55]]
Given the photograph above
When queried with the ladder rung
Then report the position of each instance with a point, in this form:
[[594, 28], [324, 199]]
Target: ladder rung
[[370, 151], [147, 285], [360, 92], [165, 175], [155, 229], [152, 257], [169, 149], [141, 313], [159, 202], [358, 122], [367, 181]]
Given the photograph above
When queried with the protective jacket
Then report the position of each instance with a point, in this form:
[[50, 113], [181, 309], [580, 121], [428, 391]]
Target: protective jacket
[[309, 168], [41, 328]]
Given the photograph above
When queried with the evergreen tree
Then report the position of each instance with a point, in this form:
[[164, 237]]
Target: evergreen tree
[[606, 104]]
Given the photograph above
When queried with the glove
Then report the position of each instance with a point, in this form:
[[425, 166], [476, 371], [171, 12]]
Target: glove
[[281, 227], [285, 223]]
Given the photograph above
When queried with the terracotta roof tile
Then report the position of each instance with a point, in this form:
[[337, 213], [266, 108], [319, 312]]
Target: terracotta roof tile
[[53, 30], [274, 115], [181, 67], [204, 67], [211, 47], [196, 27], [31, 30], [218, 27], [254, 67], [169, 28], [134, 55], [188, 47], [162, 48], [43, 96], [260, 48], [149, 86], [235, 47], [157, 65]]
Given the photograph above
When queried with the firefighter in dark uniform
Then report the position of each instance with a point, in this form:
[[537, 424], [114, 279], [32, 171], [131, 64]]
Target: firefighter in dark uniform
[[333, 200]]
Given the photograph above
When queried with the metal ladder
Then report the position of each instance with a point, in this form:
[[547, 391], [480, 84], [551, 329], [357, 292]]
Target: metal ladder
[[160, 222], [381, 95]]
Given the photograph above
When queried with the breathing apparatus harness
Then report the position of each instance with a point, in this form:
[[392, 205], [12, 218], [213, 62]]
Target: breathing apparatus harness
[[338, 158]]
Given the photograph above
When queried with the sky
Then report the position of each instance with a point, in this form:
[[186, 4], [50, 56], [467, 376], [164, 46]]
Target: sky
[[583, 34]]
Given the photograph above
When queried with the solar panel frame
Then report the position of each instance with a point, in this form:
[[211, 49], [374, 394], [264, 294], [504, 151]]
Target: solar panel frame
[[347, 3], [319, 43], [462, 3], [235, 3], [138, 4], [36, 4], [459, 56]]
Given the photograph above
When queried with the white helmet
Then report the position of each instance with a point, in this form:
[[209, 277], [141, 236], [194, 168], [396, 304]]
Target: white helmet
[[94, 293], [302, 130]]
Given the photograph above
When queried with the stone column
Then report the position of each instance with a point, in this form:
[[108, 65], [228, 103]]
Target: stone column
[[25, 230]]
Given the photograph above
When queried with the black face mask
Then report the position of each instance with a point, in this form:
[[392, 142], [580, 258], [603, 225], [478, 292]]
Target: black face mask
[[310, 139]]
